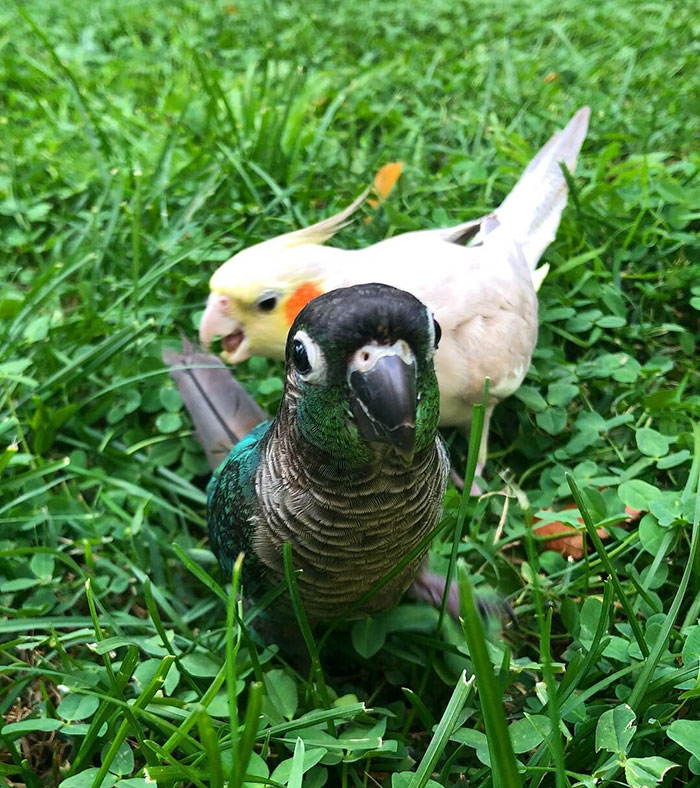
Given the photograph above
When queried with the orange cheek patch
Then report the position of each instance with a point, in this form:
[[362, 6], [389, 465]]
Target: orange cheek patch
[[299, 299]]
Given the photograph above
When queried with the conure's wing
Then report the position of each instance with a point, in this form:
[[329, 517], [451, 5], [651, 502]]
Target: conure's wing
[[232, 504], [222, 410], [230, 426]]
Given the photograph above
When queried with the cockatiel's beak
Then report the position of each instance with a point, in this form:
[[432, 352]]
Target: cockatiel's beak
[[382, 382], [217, 321]]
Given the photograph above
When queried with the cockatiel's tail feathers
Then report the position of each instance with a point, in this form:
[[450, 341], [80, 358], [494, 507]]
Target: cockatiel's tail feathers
[[222, 410], [533, 209], [321, 231]]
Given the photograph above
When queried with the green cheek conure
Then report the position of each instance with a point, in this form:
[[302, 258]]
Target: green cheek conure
[[351, 471]]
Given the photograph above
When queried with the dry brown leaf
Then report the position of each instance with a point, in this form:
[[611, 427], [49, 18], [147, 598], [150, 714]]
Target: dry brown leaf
[[570, 546], [573, 545], [633, 514]]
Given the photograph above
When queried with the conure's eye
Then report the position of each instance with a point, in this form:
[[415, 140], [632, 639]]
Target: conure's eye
[[307, 358], [301, 357], [437, 331], [267, 303]]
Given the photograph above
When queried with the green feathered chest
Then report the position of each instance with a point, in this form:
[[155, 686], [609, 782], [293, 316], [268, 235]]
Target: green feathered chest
[[349, 526]]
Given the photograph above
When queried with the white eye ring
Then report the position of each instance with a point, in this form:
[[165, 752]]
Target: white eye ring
[[431, 330], [317, 361]]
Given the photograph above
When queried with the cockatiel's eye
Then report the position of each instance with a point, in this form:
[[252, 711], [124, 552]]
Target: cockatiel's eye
[[307, 358], [267, 302], [437, 331]]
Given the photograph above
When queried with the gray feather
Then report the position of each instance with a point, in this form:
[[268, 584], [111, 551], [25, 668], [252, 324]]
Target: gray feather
[[222, 410]]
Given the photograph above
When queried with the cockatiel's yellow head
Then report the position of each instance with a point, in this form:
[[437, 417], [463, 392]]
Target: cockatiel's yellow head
[[256, 295]]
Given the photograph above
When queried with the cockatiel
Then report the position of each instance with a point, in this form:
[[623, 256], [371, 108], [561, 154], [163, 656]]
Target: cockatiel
[[479, 279], [351, 470]]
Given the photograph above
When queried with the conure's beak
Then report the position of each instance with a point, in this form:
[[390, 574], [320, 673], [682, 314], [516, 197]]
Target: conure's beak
[[216, 321], [383, 395]]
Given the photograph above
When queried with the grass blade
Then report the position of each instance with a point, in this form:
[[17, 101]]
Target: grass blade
[[210, 743], [475, 431], [649, 666], [200, 573], [443, 731], [500, 746], [544, 624], [191, 720], [233, 642], [609, 568], [296, 773], [140, 703], [304, 627], [250, 731], [419, 707], [180, 772]]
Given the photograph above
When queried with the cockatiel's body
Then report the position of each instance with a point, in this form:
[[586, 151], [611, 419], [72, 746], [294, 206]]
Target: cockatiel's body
[[479, 279], [351, 471]]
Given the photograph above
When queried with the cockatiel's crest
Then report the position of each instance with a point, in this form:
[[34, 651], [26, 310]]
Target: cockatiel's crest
[[322, 231], [267, 298]]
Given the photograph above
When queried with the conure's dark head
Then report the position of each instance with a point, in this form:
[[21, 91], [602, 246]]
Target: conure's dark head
[[360, 373]]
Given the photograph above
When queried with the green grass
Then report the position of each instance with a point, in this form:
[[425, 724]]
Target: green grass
[[143, 143]]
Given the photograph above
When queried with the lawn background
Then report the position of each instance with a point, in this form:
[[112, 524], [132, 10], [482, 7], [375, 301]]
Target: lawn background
[[144, 143]]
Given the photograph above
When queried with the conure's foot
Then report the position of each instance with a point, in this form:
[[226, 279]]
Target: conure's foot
[[429, 587], [458, 481]]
